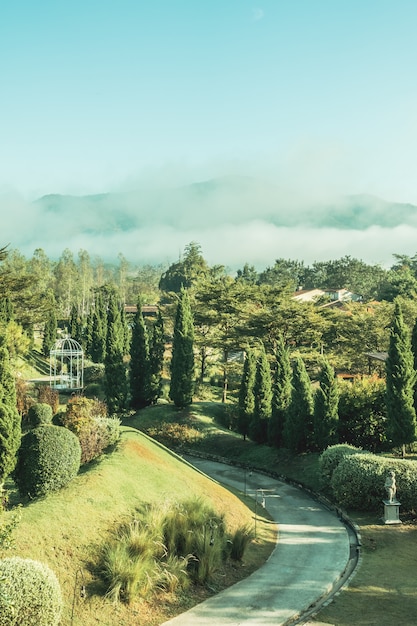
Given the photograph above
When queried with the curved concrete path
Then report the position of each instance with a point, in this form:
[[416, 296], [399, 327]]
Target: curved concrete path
[[313, 550]]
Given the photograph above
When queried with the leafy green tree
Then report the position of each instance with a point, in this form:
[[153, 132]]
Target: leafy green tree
[[362, 413], [182, 361], [139, 361], [299, 415], [10, 423], [6, 310], [326, 401], [401, 379], [116, 384], [221, 313], [156, 358], [186, 272], [281, 393], [262, 392], [246, 395], [248, 274]]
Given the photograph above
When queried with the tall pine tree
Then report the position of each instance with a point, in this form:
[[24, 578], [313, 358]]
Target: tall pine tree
[[116, 385], [98, 329], [49, 332], [10, 423], [156, 358], [182, 361], [262, 392], [246, 396], [326, 402], [401, 379], [139, 361], [299, 416], [281, 393]]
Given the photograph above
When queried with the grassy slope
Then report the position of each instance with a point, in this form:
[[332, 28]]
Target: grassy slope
[[65, 529]]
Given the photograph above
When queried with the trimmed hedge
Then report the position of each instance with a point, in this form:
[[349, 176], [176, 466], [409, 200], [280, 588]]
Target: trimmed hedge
[[48, 459], [30, 594], [330, 459], [38, 414], [358, 482]]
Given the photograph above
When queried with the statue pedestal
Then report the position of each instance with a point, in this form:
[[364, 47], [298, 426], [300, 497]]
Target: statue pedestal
[[391, 512]]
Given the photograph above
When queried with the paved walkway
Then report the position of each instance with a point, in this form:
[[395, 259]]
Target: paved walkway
[[313, 550]]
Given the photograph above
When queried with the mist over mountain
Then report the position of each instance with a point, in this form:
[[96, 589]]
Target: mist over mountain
[[235, 219]]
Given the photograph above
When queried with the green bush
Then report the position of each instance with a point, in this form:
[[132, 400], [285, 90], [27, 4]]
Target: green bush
[[38, 414], [30, 594], [330, 459], [48, 458], [94, 373], [358, 482], [93, 390], [87, 418]]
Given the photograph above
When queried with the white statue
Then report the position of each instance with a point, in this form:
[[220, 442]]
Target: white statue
[[391, 486]]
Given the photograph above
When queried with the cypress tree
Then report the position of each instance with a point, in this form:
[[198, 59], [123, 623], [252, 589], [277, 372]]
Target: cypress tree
[[326, 402], [246, 396], [49, 333], [139, 361], [414, 350], [182, 361], [299, 415], [116, 385], [76, 325], [156, 358], [10, 423], [281, 393], [401, 379], [262, 392], [98, 337]]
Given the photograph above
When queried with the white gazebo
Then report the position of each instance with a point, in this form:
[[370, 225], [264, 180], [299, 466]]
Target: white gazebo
[[66, 365]]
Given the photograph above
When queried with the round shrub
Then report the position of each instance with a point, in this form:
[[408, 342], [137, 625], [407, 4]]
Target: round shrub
[[94, 373], [358, 482], [93, 390], [29, 594], [39, 413], [48, 458], [330, 459]]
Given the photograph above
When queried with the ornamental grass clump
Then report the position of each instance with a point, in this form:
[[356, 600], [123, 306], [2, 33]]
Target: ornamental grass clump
[[30, 594], [169, 550]]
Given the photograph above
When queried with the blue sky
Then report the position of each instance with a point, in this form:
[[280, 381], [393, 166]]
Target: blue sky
[[317, 96], [100, 95]]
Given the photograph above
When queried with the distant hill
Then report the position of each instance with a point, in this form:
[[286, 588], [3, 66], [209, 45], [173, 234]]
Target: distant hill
[[231, 200]]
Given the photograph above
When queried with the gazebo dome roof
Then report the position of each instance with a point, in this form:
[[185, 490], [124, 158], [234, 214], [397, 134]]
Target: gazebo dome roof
[[67, 346]]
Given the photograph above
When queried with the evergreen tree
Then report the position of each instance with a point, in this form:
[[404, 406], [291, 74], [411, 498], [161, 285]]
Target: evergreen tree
[[182, 361], [76, 325], [414, 350], [116, 385], [98, 337], [139, 361], [6, 309], [156, 358], [281, 393], [49, 332], [262, 392], [10, 423], [246, 396], [299, 415], [326, 401], [127, 335], [401, 378]]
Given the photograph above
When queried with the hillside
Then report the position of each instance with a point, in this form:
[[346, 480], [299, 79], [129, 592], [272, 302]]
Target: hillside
[[231, 199], [66, 529]]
